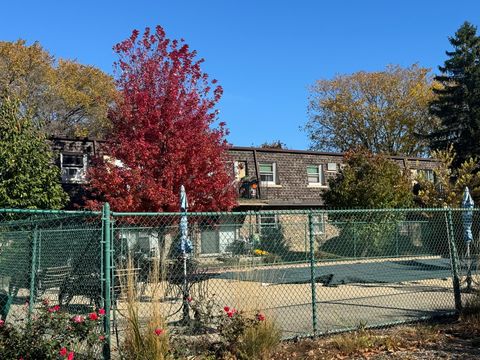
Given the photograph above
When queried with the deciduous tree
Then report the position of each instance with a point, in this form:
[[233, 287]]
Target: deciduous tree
[[63, 96], [380, 111], [275, 144], [457, 104], [163, 132], [367, 181], [28, 177]]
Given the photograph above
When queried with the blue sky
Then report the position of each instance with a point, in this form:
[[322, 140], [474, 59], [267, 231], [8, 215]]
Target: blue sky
[[264, 53]]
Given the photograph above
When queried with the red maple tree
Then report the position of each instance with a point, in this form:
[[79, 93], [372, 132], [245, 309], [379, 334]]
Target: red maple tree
[[163, 132]]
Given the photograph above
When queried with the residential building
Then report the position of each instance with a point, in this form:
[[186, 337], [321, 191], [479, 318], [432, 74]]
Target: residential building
[[285, 179], [267, 179]]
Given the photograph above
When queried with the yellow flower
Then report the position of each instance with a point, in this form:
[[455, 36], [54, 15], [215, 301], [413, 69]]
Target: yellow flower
[[260, 252]]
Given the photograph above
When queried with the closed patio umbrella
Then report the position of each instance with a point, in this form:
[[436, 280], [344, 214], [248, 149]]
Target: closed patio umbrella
[[186, 249], [467, 214]]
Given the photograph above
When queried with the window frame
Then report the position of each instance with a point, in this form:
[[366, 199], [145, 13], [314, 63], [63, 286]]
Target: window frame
[[424, 172], [263, 224], [321, 176], [236, 169], [273, 173], [318, 225], [80, 170], [332, 163]]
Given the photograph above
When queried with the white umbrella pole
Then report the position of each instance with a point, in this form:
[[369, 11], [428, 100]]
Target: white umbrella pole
[[183, 245], [186, 311], [469, 268]]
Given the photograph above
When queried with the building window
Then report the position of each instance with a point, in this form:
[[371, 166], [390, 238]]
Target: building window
[[218, 241], [315, 174], [267, 173], [427, 174], [240, 169], [73, 167], [332, 167], [268, 221], [318, 224]]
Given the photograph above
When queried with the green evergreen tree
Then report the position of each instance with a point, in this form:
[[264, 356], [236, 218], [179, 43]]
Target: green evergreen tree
[[28, 177], [458, 97]]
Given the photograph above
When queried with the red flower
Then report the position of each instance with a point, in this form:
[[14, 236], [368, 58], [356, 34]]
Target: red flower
[[101, 338], [260, 317], [93, 316], [54, 309], [159, 331], [63, 351], [226, 309], [101, 311], [70, 355], [189, 299], [2, 322]]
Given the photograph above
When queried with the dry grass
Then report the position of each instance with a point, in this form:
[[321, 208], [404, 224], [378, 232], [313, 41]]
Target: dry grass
[[258, 342], [362, 344], [362, 341], [145, 340], [472, 307]]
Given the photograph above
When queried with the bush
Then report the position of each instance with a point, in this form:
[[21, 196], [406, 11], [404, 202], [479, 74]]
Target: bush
[[53, 334], [364, 236]]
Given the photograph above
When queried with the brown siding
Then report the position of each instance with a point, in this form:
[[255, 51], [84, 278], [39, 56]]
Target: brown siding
[[292, 182], [292, 188]]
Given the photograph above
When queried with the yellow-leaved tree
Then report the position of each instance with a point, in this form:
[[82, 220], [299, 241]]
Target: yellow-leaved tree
[[449, 185], [64, 97], [383, 111]]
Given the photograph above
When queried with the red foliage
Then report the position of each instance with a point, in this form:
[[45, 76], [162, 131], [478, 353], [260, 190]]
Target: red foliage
[[163, 132]]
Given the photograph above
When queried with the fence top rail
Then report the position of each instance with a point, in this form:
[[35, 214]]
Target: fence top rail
[[289, 212], [230, 213], [41, 211]]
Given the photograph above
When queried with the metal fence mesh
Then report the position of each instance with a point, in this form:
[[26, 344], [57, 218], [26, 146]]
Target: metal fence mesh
[[49, 257], [313, 272]]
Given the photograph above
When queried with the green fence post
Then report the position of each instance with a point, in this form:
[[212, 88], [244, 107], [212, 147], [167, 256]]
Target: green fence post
[[354, 241], [107, 281], [453, 260], [33, 272], [306, 241], [312, 273], [396, 240]]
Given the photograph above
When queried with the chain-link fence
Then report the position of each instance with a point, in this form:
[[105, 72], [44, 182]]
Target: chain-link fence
[[49, 257], [312, 272]]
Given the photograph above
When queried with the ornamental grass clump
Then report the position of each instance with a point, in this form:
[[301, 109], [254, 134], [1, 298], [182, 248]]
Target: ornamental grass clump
[[145, 339], [248, 337]]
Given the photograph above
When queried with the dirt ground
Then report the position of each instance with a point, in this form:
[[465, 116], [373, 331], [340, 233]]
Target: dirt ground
[[455, 339]]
